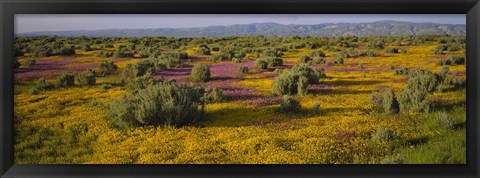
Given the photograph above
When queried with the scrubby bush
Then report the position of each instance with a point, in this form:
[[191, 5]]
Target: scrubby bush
[[402, 71], [106, 86], [123, 52], [28, 62], [296, 80], [236, 60], [316, 53], [65, 51], [444, 119], [164, 104], [274, 61], [107, 68], [86, 80], [261, 63], [243, 69], [41, 85], [203, 51], [319, 60], [375, 44], [451, 60], [414, 96], [214, 95], [389, 102], [338, 60], [200, 73], [86, 48], [304, 59], [289, 105], [384, 134], [390, 50], [66, 80], [390, 66], [376, 98], [105, 54]]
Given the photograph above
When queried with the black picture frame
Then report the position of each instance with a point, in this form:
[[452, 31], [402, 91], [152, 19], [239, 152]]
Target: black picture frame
[[10, 7]]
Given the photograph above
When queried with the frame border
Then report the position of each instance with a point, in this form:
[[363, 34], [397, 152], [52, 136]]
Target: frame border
[[10, 7]]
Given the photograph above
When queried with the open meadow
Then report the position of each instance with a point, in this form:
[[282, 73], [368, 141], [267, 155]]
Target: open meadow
[[240, 100]]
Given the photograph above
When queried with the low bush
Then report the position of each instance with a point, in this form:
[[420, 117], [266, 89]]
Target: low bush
[[86, 80], [289, 105], [296, 80], [384, 134], [200, 73], [214, 95], [444, 119], [389, 102], [107, 68], [316, 53], [319, 60], [274, 61], [28, 62], [243, 69], [163, 104], [261, 63], [66, 80], [40, 86], [304, 59], [390, 50]]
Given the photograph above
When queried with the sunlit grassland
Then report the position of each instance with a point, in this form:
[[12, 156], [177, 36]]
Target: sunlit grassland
[[68, 125]]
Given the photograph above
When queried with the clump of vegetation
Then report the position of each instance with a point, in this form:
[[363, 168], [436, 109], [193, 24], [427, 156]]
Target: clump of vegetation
[[28, 62], [389, 102], [390, 50], [163, 104], [214, 95], [106, 86], [203, 50], [451, 60], [414, 96], [316, 53], [289, 105], [274, 61], [261, 63], [296, 80], [338, 60], [402, 71], [87, 79], [398, 159], [243, 69], [376, 44], [304, 59], [66, 80], [107, 68], [390, 66], [316, 108], [40, 86], [444, 119], [384, 134], [123, 52], [319, 60], [105, 54], [200, 73]]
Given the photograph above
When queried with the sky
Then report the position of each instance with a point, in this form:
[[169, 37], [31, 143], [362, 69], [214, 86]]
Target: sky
[[65, 22]]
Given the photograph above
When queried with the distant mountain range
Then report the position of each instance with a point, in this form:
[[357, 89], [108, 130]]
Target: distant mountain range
[[380, 28]]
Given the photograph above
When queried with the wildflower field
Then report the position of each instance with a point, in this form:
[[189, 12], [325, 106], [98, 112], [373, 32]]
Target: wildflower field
[[260, 100]]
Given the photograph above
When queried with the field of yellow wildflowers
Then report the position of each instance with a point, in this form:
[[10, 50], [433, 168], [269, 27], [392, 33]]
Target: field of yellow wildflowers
[[68, 125]]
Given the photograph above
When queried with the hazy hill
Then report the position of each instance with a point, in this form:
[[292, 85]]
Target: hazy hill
[[380, 28]]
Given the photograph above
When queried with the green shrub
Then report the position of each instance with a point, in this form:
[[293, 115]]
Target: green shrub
[[200, 73], [123, 52], [236, 60], [164, 104], [375, 44], [203, 51], [389, 102], [316, 53], [296, 80], [376, 98], [414, 96], [214, 95], [86, 48], [338, 60], [106, 86], [41, 85], [274, 61], [86, 80], [390, 50], [402, 71], [304, 59], [105, 54], [28, 62], [66, 80], [319, 60], [261, 63], [107, 68], [243, 69], [444, 119], [289, 105], [384, 134]]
